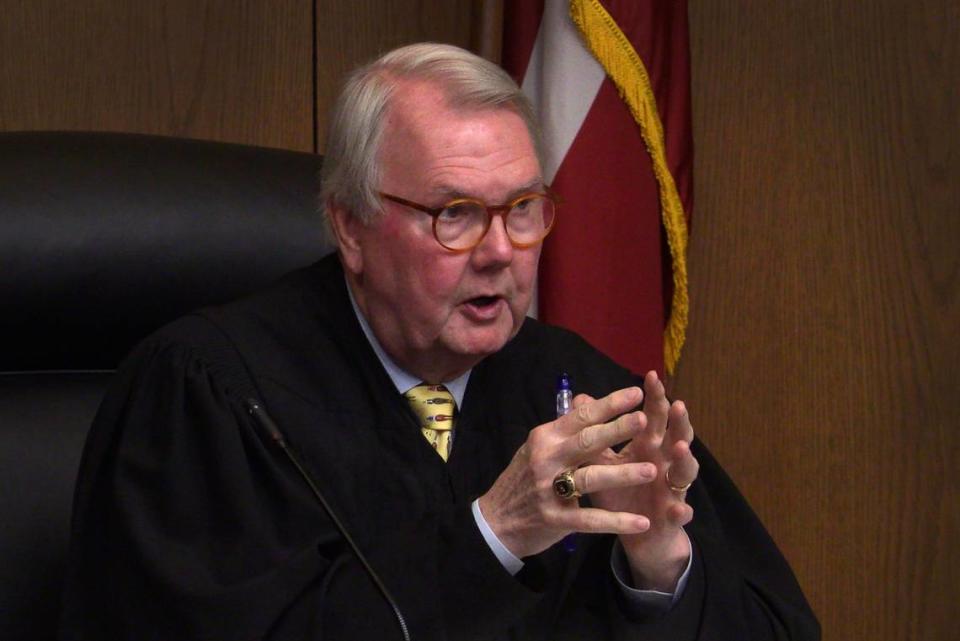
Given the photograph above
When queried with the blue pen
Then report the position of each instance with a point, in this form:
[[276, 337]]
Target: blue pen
[[564, 395], [564, 405]]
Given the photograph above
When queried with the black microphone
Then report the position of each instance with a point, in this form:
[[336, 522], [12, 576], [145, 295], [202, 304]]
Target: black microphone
[[263, 419]]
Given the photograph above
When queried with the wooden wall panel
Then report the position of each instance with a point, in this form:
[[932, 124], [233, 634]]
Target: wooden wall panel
[[823, 360], [237, 71], [351, 32]]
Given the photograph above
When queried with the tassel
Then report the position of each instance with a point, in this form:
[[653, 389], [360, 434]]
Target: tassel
[[619, 59]]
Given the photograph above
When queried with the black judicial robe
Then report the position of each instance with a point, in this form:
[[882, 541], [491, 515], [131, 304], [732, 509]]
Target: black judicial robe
[[190, 524]]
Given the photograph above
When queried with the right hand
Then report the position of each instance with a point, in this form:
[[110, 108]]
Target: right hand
[[523, 510]]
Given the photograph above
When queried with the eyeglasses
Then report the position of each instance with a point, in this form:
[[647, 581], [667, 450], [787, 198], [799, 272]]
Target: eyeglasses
[[462, 223]]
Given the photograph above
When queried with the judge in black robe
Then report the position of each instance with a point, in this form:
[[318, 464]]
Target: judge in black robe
[[190, 524]]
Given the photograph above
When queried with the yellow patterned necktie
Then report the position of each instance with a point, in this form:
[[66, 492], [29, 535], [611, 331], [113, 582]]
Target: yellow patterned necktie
[[434, 406]]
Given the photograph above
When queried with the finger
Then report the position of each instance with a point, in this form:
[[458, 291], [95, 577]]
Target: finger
[[590, 441], [684, 466], [596, 478], [597, 521], [680, 428], [679, 514], [607, 456], [656, 406], [600, 411], [580, 399]]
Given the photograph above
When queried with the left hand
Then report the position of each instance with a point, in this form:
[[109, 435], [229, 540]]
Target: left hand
[[658, 556]]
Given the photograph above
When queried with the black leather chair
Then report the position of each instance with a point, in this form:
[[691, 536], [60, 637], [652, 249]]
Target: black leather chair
[[103, 238]]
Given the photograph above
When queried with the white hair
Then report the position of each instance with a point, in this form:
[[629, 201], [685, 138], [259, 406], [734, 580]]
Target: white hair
[[350, 176]]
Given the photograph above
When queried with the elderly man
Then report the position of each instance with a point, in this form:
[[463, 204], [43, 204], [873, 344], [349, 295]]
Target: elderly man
[[416, 394]]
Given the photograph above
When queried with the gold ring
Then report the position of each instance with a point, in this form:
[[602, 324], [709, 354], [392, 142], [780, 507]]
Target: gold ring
[[676, 488], [564, 485]]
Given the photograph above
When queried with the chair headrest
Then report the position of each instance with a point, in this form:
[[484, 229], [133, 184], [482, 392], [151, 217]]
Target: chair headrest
[[105, 237]]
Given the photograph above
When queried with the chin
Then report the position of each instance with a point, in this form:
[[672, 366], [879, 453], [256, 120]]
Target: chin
[[483, 342]]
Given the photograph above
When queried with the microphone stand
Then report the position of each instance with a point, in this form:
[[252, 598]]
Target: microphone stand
[[266, 423]]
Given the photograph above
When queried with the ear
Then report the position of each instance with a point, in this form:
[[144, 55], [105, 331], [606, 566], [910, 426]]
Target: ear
[[348, 231]]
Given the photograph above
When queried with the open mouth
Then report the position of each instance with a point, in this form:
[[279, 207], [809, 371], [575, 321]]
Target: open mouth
[[484, 308], [483, 301]]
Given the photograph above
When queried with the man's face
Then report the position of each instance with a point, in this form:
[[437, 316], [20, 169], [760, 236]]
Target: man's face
[[435, 312]]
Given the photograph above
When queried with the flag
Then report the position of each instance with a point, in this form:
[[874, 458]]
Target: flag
[[611, 83]]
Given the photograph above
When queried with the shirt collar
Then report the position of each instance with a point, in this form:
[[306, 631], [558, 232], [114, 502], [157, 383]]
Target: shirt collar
[[402, 379]]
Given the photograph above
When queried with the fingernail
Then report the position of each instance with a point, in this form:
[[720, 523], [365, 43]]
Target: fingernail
[[643, 524]]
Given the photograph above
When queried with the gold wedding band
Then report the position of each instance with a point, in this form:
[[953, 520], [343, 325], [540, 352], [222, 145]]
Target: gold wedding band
[[564, 486], [676, 488]]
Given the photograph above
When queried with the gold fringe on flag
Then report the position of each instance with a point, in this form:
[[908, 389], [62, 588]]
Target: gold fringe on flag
[[619, 59]]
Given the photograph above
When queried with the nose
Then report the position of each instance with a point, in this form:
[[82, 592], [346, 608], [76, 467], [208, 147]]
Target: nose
[[495, 248]]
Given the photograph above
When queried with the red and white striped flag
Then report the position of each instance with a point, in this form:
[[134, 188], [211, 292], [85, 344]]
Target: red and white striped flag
[[611, 83]]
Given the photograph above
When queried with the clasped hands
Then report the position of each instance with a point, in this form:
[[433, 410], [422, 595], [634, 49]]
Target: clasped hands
[[630, 490]]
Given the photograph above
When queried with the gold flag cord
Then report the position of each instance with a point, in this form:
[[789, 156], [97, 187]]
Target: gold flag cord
[[612, 49]]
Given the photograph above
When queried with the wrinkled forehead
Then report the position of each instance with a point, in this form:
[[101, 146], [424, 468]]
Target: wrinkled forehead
[[449, 152]]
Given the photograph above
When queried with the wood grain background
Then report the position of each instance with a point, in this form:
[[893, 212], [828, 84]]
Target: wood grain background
[[823, 363], [823, 360], [236, 71], [260, 72]]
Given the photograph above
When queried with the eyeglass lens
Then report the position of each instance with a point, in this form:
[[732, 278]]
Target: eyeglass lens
[[462, 225]]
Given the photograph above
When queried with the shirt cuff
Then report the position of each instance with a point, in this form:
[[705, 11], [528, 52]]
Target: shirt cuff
[[507, 559], [647, 601]]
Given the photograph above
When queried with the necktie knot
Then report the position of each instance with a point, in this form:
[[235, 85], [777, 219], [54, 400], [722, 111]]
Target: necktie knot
[[433, 405]]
